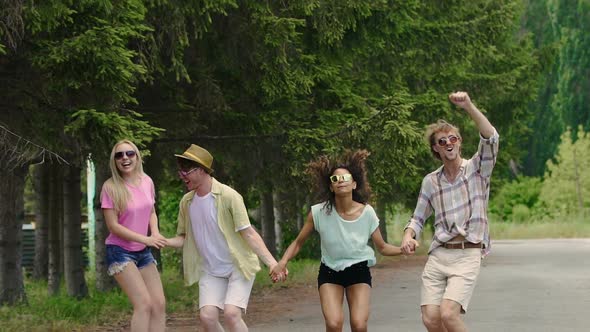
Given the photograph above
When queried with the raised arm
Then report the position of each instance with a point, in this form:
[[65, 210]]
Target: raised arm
[[462, 100]]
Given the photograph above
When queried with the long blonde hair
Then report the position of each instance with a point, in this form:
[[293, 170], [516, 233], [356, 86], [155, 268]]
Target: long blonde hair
[[115, 185]]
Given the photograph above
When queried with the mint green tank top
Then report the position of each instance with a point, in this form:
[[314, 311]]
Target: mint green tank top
[[345, 242]]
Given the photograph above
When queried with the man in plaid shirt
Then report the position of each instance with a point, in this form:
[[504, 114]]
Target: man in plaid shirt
[[457, 193]]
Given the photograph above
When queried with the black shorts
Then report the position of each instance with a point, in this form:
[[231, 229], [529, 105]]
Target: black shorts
[[358, 273]]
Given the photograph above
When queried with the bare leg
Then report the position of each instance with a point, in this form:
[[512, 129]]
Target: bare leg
[[210, 318], [358, 297], [233, 318], [152, 280], [431, 318], [450, 313], [331, 297], [131, 282]]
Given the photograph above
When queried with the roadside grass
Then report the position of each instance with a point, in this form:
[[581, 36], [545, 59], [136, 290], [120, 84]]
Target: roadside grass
[[112, 310], [571, 227], [100, 311], [567, 227]]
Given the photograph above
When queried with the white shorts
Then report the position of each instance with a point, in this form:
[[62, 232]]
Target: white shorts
[[450, 274], [219, 291]]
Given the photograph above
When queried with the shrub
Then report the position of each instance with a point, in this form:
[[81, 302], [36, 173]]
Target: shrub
[[523, 192], [520, 213], [168, 200]]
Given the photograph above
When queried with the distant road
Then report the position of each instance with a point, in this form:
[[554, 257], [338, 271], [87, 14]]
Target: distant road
[[524, 285]]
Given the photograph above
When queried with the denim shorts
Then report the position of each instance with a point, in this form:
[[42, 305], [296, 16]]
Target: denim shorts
[[118, 258], [358, 273]]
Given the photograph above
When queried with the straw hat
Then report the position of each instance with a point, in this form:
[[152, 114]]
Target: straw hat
[[199, 155]]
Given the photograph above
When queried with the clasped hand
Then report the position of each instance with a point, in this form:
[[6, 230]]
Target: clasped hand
[[278, 272], [409, 246], [156, 241]]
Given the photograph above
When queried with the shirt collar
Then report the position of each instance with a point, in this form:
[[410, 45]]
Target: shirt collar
[[215, 190], [439, 171], [215, 187]]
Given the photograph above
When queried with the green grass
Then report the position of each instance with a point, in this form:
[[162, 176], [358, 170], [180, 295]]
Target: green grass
[[568, 227], [571, 227], [61, 313]]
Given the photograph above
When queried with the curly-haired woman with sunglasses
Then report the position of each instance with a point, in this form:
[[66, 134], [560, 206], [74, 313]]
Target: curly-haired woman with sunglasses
[[127, 201], [345, 222]]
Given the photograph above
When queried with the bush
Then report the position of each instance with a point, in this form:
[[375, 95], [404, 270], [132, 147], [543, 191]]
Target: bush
[[523, 192], [520, 213], [311, 248], [168, 200]]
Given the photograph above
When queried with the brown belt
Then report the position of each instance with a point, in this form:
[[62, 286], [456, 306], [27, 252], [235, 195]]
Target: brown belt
[[462, 245]]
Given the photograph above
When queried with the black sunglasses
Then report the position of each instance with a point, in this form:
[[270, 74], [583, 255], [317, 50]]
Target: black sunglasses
[[443, 141], [129, 154]]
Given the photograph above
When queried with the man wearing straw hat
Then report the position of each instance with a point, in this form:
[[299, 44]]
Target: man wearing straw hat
[[220, 247]]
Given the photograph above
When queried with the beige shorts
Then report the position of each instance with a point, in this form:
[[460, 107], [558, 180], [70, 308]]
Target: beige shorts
[[216, 291], [450, 274]]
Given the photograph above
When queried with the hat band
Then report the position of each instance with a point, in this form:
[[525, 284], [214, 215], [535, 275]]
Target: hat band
[[197, 159]]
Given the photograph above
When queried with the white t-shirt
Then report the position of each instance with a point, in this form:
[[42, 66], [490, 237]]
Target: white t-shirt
[[209, 239]]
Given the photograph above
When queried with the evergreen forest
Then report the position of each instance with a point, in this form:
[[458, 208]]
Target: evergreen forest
[[267, 86]]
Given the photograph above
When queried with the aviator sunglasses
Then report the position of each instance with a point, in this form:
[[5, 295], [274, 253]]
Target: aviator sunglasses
[[342, 177], [129, 154], [443, 141]]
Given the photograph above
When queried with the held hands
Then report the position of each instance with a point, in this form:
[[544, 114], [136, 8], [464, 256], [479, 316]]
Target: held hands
[[278, 272], [461, 99], [156, 241], [409, 245]]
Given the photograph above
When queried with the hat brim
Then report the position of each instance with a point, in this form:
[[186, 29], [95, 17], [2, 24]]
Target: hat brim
[[194, 161]]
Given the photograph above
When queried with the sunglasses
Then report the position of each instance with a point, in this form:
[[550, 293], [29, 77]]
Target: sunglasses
[[183, 174], [443, 141], [120, 154], [342, 177]]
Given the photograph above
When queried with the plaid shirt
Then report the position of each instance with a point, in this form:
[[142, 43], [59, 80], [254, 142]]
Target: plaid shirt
[[460, 208]]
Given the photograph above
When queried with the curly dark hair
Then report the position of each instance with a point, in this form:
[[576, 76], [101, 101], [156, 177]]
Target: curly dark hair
[[321, 169]]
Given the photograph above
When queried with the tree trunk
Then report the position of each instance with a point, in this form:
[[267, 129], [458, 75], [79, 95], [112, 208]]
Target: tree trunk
[[267, 221], [304, 204], [103, 281], [156, 252], [41, 185], [54, 231], [73, 254], [279, 219], [382, 215], [12, 186]]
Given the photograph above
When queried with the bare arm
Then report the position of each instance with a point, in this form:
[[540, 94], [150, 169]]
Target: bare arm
[[257, 244], [295, 246], [383, 247], [176, 242], [112, 221], [154, 229], [462, 100]]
